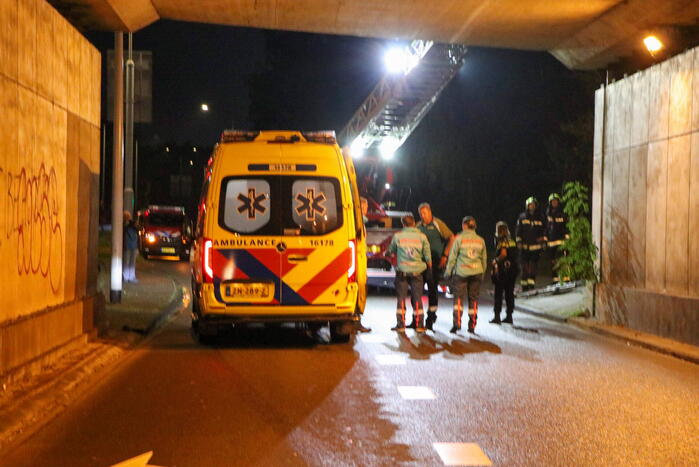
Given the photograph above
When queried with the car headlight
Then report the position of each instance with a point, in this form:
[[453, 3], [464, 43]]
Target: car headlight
[[374, 249], [150, 238]]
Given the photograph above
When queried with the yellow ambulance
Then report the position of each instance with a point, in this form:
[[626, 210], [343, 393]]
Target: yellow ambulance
[[279, 235]]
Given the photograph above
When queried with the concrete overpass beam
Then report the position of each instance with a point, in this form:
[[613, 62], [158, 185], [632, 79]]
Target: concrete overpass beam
[[620, 30]]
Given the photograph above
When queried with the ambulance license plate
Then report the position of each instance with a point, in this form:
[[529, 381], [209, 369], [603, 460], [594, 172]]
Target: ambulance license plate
[[167, 249], [249, 291]]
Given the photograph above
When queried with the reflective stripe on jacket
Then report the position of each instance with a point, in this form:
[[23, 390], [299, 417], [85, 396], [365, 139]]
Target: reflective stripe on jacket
[[412, 249], [468, 255]]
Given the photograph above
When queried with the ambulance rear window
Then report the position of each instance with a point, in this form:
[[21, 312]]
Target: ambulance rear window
[[246, 205], [315, 207], [280, 205]]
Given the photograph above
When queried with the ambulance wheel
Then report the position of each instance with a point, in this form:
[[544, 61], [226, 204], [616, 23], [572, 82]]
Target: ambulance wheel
[[340, 331], [202, 333]]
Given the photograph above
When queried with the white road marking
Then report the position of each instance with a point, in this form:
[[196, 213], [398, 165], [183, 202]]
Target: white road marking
[[461, 454], [416, 392], [390, 359], [139, 461]]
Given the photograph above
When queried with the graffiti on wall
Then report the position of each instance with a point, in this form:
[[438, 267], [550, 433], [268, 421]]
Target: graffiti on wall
[[30, 227]]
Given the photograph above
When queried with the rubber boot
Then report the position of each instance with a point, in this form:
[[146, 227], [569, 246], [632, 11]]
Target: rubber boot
[[457, 321], [472, 318], [431, 319], [400, 323], [420, 323], [472, 323]]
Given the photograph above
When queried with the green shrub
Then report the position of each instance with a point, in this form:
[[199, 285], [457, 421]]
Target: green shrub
[[579, 251]]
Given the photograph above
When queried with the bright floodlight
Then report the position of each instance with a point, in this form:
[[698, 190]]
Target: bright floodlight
[[400, 60], [653, 44], [388, 147], [205, 107], [357, 148]]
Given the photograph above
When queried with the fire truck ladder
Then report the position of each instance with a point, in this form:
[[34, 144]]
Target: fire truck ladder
[[399, 101]]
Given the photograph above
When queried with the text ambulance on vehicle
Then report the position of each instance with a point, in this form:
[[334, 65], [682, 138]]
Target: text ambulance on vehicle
[[279, 235]]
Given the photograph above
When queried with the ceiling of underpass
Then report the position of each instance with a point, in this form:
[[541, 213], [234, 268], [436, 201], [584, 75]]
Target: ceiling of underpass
[[582, 34]]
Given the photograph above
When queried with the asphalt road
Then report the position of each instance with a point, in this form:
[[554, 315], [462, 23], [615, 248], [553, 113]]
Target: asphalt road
[[536, 393]]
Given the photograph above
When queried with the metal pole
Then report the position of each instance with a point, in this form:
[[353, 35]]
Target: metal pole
[[128, 131], [135, 176], [118, 171], [103, 170]]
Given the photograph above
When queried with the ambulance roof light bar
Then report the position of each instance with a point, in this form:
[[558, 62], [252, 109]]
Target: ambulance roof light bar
[[238, 136], [325, 137]]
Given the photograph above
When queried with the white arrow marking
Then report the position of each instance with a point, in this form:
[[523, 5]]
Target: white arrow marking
[[139, 461]]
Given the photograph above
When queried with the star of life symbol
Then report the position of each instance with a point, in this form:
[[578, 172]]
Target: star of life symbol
[[252, 203], [311, 204]]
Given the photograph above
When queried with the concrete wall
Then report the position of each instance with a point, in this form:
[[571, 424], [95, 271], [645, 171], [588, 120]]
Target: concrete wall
[[49, 171], [646, 199]]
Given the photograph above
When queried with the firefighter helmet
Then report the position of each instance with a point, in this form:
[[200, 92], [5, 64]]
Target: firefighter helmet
[[553, 196], [530, 200]]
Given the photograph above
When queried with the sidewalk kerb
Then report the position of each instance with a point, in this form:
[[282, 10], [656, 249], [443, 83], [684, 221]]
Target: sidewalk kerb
[[539, 314], [635, 337]]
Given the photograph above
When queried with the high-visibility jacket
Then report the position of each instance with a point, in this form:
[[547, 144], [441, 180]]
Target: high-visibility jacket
[[556, 230], [468, 255], [412, 249], [505, 267], [531, 230]]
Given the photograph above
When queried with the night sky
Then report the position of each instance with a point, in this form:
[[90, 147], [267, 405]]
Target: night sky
[[509, 125]]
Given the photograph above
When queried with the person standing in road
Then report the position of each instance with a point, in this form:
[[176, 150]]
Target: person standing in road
[[130, 248], [440, 238], [505, 271], [364, 206], [413, 252], [530, 237], [556, 233], [467, 261]]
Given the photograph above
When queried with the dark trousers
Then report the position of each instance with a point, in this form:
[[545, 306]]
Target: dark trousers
[[409, 284], [506, 287], [556, 254], [466, 290], [530, 261], [431, 277]]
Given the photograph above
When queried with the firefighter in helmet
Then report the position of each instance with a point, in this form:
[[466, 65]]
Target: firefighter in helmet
[[556, 233], [530, 236]]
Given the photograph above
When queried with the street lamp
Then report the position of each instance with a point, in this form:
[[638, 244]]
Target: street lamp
[[205, 107], [653, 44]]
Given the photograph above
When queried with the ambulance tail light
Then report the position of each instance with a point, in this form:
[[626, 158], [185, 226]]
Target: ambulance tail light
[[207, 263], [352, 270]]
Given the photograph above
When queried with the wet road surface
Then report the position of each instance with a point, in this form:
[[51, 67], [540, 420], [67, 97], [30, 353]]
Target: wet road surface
[[536, 393]]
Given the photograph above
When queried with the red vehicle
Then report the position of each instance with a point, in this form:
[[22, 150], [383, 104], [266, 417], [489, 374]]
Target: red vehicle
[[164, 231]]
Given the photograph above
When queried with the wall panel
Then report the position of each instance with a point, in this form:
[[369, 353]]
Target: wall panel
[[677, 252], [639, 117], [656, 189], [638, 161], [9, 38], [26, 46], [680, 113], [619, 228], [659, 102], [693, 286]]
